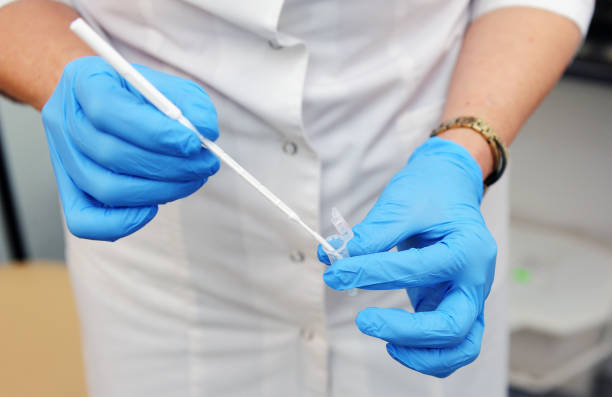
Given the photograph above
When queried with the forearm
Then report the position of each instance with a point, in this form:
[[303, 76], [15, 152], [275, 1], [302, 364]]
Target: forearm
[[35, 45], [510, 59]]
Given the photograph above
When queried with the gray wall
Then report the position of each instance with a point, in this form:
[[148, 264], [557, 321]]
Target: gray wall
[[562, 161], [32, 180]]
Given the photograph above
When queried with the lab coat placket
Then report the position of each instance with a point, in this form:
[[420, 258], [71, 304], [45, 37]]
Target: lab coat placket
[[281, 256]]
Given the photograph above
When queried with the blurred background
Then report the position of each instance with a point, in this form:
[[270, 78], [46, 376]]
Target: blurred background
[[561, 247]]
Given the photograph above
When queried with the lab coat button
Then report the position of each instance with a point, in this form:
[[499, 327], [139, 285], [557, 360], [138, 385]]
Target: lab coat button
[[274, 44], [297, 256], [290, 148], [307, 334]]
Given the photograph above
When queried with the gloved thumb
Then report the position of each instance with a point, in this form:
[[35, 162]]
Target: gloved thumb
[[382, 229]]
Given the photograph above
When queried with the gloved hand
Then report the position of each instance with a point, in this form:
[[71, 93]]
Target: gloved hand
[[115, 156], [445, 260]]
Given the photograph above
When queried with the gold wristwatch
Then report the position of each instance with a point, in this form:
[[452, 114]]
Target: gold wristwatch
[[498, 148]]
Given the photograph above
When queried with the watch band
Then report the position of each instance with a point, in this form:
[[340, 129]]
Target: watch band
[[498, 148]]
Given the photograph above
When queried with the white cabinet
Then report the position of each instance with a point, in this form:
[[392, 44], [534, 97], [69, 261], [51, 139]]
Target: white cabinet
[[561, 240]]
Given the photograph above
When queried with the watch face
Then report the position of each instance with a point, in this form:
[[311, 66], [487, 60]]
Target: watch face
[[500, 153]]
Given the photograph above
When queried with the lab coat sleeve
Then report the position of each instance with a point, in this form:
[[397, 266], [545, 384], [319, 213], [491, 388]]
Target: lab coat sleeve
[[579, 11]]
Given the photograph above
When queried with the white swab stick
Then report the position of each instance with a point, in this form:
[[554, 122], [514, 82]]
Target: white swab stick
[[157, 99]]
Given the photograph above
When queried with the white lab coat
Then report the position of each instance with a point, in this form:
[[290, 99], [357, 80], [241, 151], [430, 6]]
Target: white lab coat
[[323, 101]]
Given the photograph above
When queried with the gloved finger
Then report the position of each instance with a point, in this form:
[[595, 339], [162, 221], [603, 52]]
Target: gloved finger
[[426, 299], [85, 218], [441, 362], [446, 326], [122, 157], [394, 270], [115, 110], [193, 101], [322, 255], [391, 221], [117, 190]]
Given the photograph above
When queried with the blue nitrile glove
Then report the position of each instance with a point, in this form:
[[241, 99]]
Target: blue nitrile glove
[[445, 260], [115, 156]]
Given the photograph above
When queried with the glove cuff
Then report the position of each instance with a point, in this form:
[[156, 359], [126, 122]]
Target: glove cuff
[[443, 147]]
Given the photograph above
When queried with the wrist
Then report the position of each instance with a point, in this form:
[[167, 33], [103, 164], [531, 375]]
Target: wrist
[[47, 81], [38, 43], [475, 144]]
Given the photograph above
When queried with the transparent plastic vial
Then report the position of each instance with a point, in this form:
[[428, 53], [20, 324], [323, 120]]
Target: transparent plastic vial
[[339, 241]]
